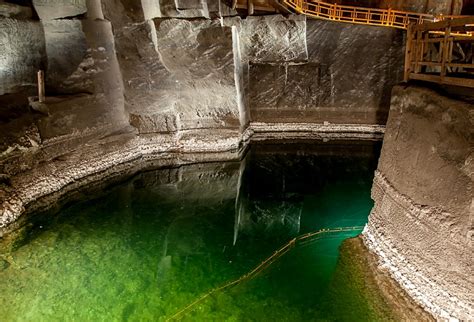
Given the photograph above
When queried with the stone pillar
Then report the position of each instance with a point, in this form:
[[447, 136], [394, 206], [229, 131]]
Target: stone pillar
[[420, 225]]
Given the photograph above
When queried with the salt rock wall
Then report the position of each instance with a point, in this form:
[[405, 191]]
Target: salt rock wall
[[59, 9], [421, 225], [186, 77], [11, 10], [82, 63], [182, 74], [319, 71], [178, 74], [66, 48], [84, 87], [22, 53], [186, 9]]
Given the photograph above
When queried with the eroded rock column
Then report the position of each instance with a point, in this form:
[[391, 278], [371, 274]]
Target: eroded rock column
[[420, 226]]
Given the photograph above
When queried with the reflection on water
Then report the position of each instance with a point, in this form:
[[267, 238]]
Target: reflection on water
[[148, 247]]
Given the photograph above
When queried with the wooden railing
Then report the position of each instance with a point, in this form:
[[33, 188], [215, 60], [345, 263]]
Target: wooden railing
[[441, 52], [438, 49], [358, 15]]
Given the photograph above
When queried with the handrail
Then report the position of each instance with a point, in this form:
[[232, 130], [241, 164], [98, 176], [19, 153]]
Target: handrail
[[300, 240], [435, 52], [359, 15]]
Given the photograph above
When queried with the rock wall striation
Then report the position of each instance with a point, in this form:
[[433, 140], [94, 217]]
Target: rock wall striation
[[421, 224]]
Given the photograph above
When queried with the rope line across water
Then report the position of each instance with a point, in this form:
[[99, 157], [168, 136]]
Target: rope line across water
[[300, 240]]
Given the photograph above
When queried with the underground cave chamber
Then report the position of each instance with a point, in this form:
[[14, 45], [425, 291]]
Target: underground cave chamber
[[262, 160]]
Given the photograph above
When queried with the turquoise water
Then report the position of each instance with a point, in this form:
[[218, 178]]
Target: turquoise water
[[146, 248]]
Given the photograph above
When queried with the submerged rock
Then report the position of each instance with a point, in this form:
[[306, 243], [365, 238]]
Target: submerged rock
[[365, 287], [4, 264]]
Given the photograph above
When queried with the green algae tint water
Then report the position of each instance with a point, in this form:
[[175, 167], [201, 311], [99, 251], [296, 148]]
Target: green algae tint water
[[144, 249]]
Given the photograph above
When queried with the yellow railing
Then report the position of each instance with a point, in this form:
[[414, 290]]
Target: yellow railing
[[441, 52], [431, 41], [358, 15]]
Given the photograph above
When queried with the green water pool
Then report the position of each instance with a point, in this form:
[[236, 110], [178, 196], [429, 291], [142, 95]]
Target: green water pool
[[144, 249]]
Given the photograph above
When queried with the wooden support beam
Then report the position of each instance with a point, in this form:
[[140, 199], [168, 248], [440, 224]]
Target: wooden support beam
[[456, 81], [418, 51], [438, 64], [250, 7], [460, 22], [41, 90], [408, 53], [445, 52]]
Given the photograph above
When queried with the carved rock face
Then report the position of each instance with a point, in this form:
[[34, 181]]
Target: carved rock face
[[179, 74], [21, 53], [274, 39], [54, 9], [65, 48]]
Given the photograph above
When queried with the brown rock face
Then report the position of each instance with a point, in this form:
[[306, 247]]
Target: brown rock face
[[423, 191]]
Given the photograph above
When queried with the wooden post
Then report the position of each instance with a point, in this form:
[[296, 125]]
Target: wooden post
[[41, 91], [408, 53], [250, 7], [418, 50], [446, 46]]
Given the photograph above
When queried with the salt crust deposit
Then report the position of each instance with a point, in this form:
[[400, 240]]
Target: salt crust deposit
[[437, 299], [103, 159]]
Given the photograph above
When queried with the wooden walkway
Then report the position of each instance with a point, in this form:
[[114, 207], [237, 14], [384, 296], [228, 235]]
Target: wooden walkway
[[358, 15], [441, 52], [438, 49]]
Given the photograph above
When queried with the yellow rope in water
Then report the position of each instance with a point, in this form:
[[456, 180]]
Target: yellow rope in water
[[306, 238]]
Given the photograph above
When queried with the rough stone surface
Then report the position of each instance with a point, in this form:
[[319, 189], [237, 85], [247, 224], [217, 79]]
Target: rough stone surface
[[358, 262], [10, 10], [22, 53], [109, 156], [54, 9], [348, 67], [274, 38], [220, 8], [66, 48], [81, 66], [420, 225], [294, 131], [182, 71], [124, 12], [91, 77], [189, 9], [184, 8]]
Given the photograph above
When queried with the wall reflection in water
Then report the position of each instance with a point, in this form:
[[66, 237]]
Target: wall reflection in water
[[152, 244]]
